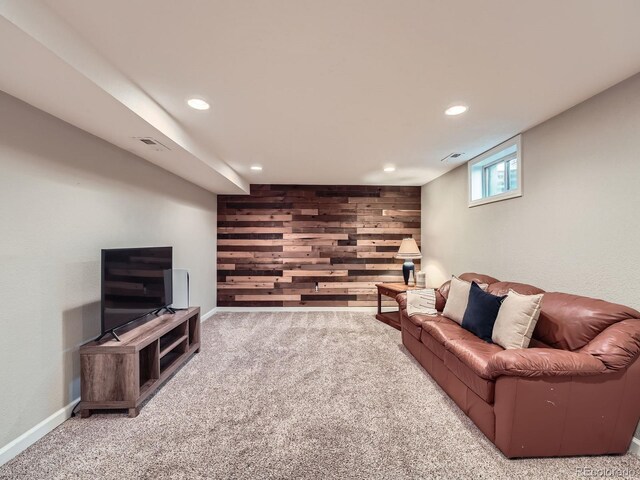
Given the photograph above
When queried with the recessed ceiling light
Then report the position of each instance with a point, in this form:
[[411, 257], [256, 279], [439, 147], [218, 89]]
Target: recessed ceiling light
[[456, 110], [256, 168], [389, 169], [198, 104]]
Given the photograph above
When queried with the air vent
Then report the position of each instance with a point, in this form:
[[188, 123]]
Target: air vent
[[451, 156], [152, 144]]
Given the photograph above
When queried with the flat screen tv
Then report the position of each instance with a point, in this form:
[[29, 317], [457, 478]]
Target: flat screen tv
[[135, 282]]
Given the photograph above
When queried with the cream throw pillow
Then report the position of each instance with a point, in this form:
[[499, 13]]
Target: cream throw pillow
[[458, 298], [516, 320]]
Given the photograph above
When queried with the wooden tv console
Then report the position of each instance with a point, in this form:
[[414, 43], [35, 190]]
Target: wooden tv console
[[121, 375]]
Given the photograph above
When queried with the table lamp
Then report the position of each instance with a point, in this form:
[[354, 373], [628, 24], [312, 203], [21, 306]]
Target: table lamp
[[408, 252]]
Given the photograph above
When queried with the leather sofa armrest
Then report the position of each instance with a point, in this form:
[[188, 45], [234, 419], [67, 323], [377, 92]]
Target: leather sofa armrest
[[442, 294], [617, 345], [543, 362], [401, 298], [440, 301]]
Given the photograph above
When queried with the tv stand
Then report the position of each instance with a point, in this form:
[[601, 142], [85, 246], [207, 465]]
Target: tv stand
[[121, 374]]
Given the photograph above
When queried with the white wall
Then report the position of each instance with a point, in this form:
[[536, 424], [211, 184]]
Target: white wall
[[576, 229], [64, 195]]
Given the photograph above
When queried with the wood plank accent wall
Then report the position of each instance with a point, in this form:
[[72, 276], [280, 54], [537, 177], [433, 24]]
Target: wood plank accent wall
[[275, 244]]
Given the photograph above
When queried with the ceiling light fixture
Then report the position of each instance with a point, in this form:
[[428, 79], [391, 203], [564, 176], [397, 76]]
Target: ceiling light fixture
[[256, 168], [198, 104], [389, 169], [456, 110]]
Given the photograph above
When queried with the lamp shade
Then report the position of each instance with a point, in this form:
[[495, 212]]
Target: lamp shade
[[408, 249]]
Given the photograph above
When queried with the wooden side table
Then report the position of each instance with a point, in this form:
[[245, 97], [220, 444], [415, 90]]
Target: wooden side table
[[390, 290]]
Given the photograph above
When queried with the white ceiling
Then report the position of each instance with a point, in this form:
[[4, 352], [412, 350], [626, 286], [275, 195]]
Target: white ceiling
[[315, 91]]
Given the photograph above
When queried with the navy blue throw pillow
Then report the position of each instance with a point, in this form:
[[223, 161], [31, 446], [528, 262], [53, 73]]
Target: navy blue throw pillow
[[481, 313]]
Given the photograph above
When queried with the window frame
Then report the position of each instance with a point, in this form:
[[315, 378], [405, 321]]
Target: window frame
[[507, 178], [485, 160]]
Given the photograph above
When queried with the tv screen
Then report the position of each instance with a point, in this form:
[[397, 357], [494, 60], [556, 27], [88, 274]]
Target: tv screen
[[135, 282]]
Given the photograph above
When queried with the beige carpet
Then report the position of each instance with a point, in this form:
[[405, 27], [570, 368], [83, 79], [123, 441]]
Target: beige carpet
[[292, 395]]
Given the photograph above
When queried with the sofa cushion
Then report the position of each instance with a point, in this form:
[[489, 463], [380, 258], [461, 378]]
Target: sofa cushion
[[437, 332], [443, 329], [418, 321], [570, 322], [482, 311], [479, 278], [502, 288], [412, 325], [433, 345], [475, 354], [469, 360], [482, 387], [535, 343], [468, 355]]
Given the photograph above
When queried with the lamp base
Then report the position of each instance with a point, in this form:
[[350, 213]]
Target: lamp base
[[407, 267]]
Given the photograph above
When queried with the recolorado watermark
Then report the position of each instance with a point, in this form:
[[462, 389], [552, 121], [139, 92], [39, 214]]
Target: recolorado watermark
[[613, 472]]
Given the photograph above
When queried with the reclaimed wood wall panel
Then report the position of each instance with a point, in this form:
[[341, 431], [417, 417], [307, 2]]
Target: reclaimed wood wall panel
[[281, 241]]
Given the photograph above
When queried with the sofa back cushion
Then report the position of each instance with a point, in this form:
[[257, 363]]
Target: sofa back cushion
[[479, 278], [570, 322], [502, 288], [467, 277]]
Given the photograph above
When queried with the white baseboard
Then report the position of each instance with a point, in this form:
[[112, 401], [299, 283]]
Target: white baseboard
[[298, 309], [635, 446], [34, 434], [208, 315]]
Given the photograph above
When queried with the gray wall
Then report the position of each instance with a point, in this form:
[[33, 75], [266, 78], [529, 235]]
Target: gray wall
[[65, 195], [576, 228]]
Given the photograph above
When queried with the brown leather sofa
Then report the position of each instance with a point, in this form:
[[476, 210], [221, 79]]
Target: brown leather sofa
[[574, 391]]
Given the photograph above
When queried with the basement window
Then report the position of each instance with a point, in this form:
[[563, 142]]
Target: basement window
[[496, 174]]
